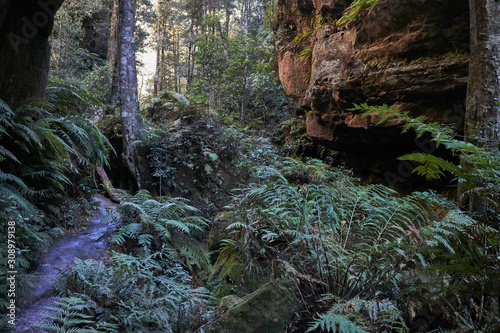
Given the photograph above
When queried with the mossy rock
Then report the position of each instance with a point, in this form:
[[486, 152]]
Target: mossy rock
[[217, 233], [229, 301], [267, 310]]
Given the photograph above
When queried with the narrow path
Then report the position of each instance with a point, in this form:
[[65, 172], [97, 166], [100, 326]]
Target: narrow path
[[88, 244]]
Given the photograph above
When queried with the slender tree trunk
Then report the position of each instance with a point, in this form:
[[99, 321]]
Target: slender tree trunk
[[132, 156], [192, 65], [260, 11], [245, 74], [158, 41], [189, 78], [483, 90], [174, 53], [228, 20], [162, 56], [60, 53], [112, 57]]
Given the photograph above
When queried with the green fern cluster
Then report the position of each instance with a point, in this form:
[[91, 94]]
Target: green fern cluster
[[39, 149], [69, 316], [46, 151], [481, 181], [359, 316], [147, 287], [465, 253], [150, 223], [332, 236], [137, 293]]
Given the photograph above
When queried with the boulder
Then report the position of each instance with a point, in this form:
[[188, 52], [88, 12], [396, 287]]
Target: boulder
[[267, 310]]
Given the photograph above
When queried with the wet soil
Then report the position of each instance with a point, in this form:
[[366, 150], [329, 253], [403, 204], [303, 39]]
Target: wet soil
[[90, 243]]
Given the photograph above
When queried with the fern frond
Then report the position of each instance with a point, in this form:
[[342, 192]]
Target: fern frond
[[335, 323], [432, 165]]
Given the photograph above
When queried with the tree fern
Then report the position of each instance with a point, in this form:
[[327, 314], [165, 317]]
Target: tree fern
[[69, 96]]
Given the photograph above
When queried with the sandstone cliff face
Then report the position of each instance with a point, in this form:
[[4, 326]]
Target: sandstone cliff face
[[408, 53]]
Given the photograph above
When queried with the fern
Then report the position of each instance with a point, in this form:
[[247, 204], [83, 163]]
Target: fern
[[481, 180], [319, 228], [336, 323], [356, 7], [40, 150], [306, 53], [169, 220], [359, 315], [348, 231], [68, 317], [69, 95]]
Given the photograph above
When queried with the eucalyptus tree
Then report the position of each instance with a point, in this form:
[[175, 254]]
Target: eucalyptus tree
[[483, 92], [133, 158], [79, 40], [171, 59]]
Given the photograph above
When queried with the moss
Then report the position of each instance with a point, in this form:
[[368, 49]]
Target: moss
[[229, 301], [267, 310], [217, 233]]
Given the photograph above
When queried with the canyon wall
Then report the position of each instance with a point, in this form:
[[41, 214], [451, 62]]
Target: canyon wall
[[412, 54]]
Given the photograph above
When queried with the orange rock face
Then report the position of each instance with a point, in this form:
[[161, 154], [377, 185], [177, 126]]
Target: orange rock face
[[412, 54]]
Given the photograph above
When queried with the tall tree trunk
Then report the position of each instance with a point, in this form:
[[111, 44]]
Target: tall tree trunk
[[260, 11], [189, 78], [245, 14], [162, 57], [158, 41], [228, 20], [176, 53], [25, 27], [483, 90], [112, 57], [133, 126], [245, 69]]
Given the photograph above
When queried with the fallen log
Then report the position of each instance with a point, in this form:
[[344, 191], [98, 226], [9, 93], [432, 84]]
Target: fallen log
[[107, 185]]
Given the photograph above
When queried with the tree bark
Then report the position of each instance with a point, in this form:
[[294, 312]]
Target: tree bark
[[112, 57], [25, 27], [133, 157], [260, 11], [158, 41], [190, 52], [162, 57], [245, 74], [483, 89]]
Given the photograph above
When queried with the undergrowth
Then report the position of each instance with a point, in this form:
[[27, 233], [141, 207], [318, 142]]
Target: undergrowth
[[149, 283], [47, 154], [367, 255]]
